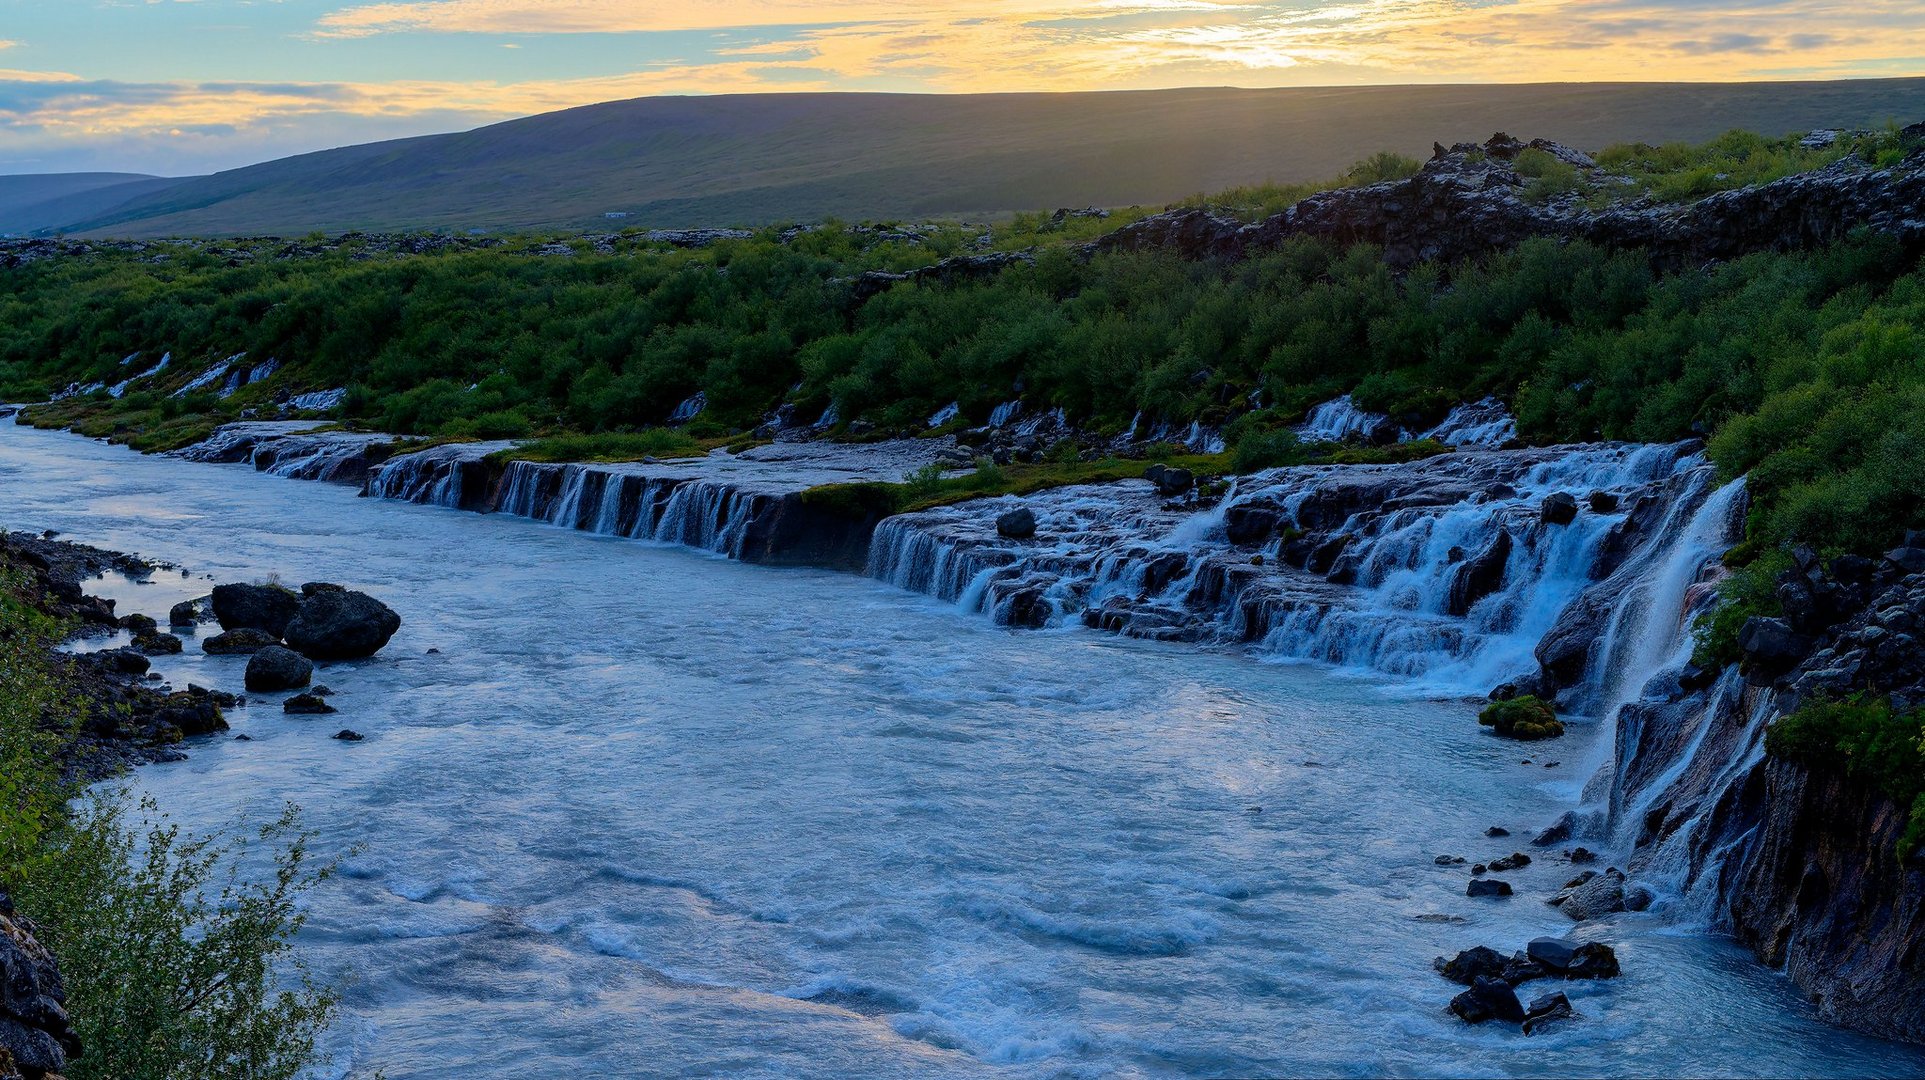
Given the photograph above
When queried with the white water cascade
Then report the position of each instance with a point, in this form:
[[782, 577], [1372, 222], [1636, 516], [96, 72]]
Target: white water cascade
[[1445, 571]]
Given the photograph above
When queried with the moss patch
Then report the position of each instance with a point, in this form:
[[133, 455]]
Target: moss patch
[[1526, 718]]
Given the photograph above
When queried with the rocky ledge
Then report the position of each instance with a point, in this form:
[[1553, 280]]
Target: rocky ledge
[[1469, 200]]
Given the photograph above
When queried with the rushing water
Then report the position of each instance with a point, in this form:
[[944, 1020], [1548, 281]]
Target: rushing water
[[647, 812]]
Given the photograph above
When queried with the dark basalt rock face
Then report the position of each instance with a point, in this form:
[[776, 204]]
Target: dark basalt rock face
[[36, 1036], [1825, 894]]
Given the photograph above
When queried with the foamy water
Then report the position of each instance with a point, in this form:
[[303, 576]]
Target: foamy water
[[648, 812]]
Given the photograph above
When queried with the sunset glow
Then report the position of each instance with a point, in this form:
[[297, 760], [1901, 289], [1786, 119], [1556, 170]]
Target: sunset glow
[[182, 86]]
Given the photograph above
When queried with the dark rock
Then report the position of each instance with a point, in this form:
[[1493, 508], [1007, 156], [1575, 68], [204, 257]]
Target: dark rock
[[315, 587], [154, 643], [1172, 481], [1471, 965], [346, 735], [127, 661], [1017, 524], [239, 642], [1488, 999], [1498, 830], [1771, 647], [1476, 578], [36, 1036], [1580, 856], [1911, 560], [1514, 861], [1250, 524], [306, 705], [1557, 832], [139, 624], [1449, 860], [185, 613], [1603, 502], [1573, 960], [1546, 1010], [254, 607], [1488, 887], [275, 668], [1558, 508], [341, 626]]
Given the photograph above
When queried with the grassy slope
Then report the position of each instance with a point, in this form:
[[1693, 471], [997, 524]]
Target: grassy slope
[[747, 159], [45, 200]]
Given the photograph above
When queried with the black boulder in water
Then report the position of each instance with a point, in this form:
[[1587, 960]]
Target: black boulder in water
[[341, 625], [254, 607], [275, 668]]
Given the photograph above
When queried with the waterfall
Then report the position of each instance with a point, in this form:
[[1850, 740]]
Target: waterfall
[[945, 414], [1485, 424], [616, 500], [1338, 420], [318, 401], [1649, 629], [1004, 413], [453, 475], [1446, 571], [690, 408]]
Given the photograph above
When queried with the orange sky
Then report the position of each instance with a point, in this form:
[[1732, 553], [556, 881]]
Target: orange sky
[[219, 82]]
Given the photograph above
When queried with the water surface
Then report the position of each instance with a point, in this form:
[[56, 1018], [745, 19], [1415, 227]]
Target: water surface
[[626, 810]]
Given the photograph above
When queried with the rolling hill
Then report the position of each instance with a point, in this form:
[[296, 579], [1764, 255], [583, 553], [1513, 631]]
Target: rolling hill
[[756, 159], [42, 201]]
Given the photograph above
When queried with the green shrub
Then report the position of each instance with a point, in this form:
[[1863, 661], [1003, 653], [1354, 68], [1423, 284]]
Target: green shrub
[[175, 956], [1258, 450], [1548, 175], [1526, 718]]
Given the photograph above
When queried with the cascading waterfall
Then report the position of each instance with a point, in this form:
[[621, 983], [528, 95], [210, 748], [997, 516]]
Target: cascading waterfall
[[710, 515], [1339, 419], [1394, 599]]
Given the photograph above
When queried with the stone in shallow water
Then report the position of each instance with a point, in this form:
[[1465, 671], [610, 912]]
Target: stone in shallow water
[[1545, 1011], [1488, 887], [275, 668], [1574, 960], [1488, 999]]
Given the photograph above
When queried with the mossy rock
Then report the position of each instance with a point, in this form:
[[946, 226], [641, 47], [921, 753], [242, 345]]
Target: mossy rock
[[1526, 718]]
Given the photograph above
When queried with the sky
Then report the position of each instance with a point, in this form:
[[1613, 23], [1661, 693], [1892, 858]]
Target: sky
[[176, 87]]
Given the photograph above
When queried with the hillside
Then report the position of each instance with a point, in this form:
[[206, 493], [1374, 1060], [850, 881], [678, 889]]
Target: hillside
[[38, 201], [754, 159]]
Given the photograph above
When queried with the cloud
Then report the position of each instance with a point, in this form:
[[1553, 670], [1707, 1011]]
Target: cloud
[[958, 46], [627, 16], [5, 44]]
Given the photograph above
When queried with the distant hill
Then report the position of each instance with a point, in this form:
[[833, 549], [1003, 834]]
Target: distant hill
[[46, 201], [756, 159]]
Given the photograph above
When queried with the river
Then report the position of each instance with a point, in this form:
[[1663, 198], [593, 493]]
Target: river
[[623, 809]]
